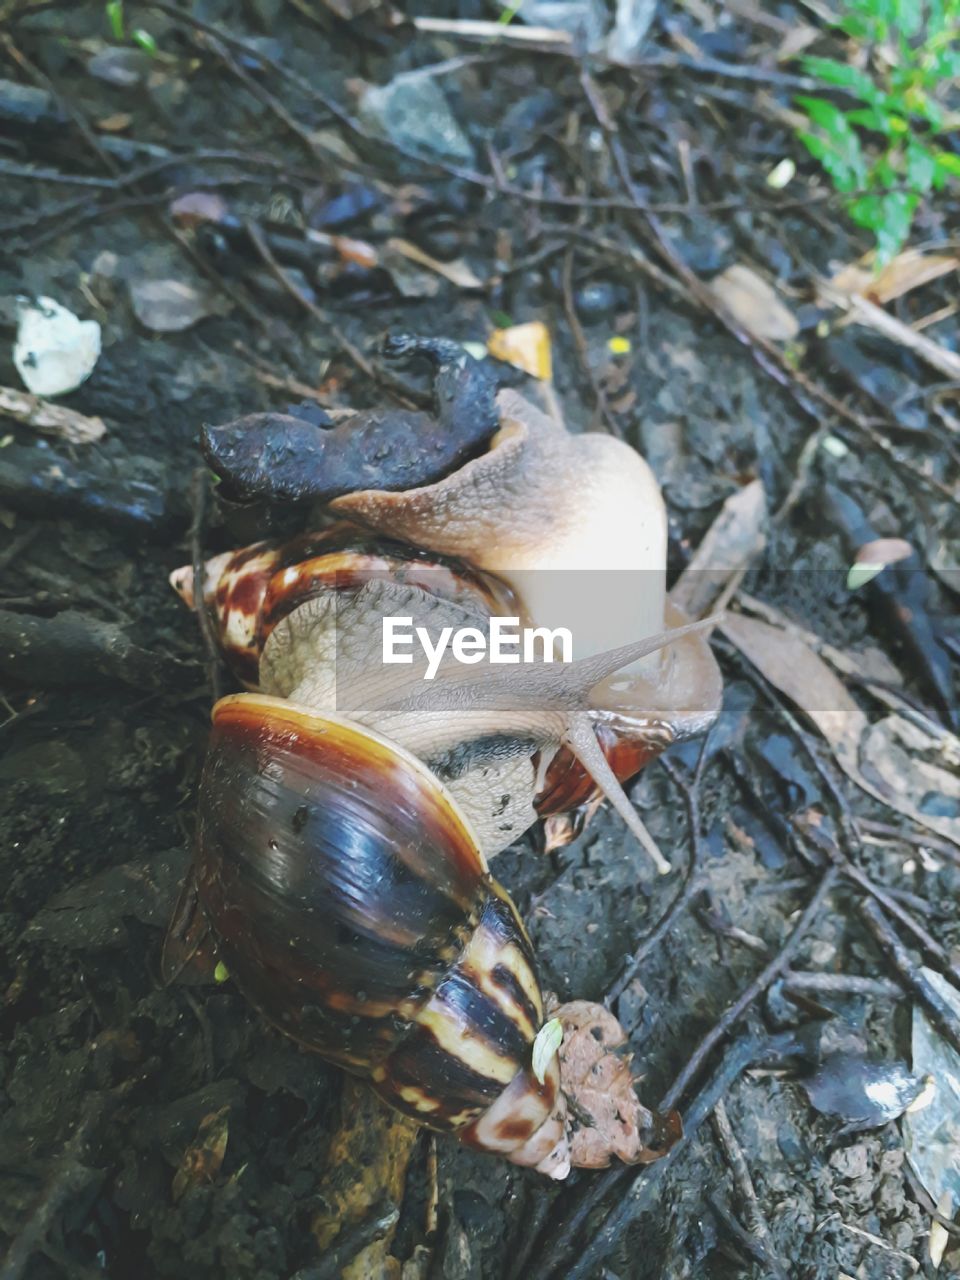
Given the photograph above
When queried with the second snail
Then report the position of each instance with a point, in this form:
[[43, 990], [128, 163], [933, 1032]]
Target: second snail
[[348, 808]]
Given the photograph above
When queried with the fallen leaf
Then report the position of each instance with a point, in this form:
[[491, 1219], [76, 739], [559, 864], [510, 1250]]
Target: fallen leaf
[[116, 123], [365, 1169], [908, 270], [194, 208], [800, 673], [526, 347], [55, 351], [797, 39], [736, 536], [862, 1092], [609, 1118], [755, 304], [873, 557], [458, 272], [931, 1134], [168, 306], [203, 1158], [883, 759]]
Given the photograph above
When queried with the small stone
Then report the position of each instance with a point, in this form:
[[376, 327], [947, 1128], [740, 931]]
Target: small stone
[[599, 299], [55, 351], [124, 68]]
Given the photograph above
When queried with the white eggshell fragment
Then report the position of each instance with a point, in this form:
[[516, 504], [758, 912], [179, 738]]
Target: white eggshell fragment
[[55, 351]]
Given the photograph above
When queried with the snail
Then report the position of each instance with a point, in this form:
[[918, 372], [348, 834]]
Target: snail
[[348, 809], [541, 524]]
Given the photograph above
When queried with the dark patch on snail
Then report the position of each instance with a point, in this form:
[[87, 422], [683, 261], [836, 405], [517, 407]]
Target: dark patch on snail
[[479, 1017], [287, 458], [420, 1062], [515, 1130], [504, 978], [489, 748]]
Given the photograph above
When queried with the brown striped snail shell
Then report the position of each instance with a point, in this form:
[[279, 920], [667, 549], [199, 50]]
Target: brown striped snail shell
[[351, 902], [282, 616]]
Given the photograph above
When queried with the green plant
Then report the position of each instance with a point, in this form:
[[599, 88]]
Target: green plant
[[113, 10], [886, 153]]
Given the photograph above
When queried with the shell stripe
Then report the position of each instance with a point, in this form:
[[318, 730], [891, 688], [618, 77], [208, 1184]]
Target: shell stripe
[[468, 1025], [421, 1073]]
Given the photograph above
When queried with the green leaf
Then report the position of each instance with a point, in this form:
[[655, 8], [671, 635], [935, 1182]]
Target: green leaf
[[145, 40], [548, 1041], [844, 76], [909, 16], [921, 167], [856, 26], [826, 114], [898, 210], [858, 575], [867, 212], [948, 162], [842, 156], [839, 171], [114, 11], [871, 118]]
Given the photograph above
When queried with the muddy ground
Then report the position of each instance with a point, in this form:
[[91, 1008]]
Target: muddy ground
[[105, 1074]]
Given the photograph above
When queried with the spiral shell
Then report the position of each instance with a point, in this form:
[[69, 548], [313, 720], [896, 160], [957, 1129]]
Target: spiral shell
[[251, 590], [352, 904]]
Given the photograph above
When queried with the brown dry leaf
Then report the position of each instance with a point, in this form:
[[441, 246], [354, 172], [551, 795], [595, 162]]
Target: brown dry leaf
[[883, 759], [599, 1088], [908, 270], [883, 551], [794, 668], [458, 272], [169, 306], [526, 347], [736, 536], [116, 123], [202, 1159], [755, 304], [796, 40]]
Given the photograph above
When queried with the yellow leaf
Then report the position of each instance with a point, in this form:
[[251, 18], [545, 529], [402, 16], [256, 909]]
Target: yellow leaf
[[525, 346]]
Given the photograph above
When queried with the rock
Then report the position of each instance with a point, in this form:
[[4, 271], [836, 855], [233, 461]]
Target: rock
[[413, 111], [124, 67], [599, 299], [55, 351]]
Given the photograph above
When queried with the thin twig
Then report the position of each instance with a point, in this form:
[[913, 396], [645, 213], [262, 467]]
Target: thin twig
[[757, 1227], [761, 982], [946, 1020], [691, 878], [198, 498]]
